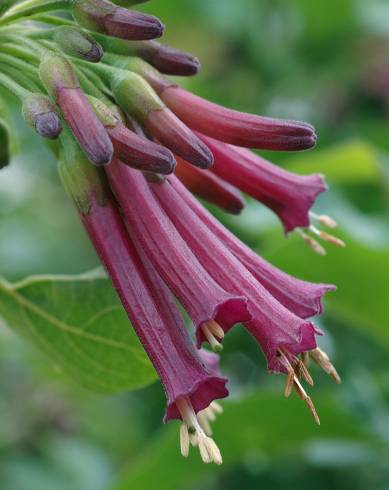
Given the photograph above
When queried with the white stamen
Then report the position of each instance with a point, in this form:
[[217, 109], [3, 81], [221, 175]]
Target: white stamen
[[209, 451], [213, 342], [184, 440], [204, 422], [327, 237], [215, 329], [324, 219], [312, 243], [216, 407]]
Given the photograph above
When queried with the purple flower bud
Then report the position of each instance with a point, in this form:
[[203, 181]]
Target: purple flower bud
[[238, 128], [61, 82], [167, 59], [153, 232], [302, 298], [210, 187], [273, 325], [140, 153], [40, 113], [289, 195], [133, 149], [106, 17]]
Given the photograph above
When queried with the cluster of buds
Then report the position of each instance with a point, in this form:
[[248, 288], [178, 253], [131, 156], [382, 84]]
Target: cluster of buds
[[134, 147]]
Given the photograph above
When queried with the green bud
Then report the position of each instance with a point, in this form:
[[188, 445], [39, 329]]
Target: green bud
[[78, 43], [134, 95], [56, 73], [103, 112], [83, 182]]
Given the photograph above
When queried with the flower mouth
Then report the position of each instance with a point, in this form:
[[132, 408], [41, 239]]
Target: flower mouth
[[201, 395]]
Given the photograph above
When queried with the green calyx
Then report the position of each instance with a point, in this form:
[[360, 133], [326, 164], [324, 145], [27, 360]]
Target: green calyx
[[56, 73], [91, 13], [83, 182], [104, 113], [134, 95]]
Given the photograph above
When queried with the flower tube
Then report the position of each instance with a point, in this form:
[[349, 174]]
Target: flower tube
[[206, 302], [303, 298], [189, 387], [289, 195]]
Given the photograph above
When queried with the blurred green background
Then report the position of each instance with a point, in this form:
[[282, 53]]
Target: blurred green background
[[324, 61]]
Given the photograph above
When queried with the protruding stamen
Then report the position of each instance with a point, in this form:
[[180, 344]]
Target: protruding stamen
[[184, 440], [195, 433], [217, 408], [213, 342], [204, 422], [305, 373], [312, 243], [293, 379], [289, 384], [327, 237], [216, 329], [322, 359], [304, 396], [324, 219]]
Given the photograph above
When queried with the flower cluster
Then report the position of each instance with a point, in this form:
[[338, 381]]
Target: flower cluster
[[133, 147]]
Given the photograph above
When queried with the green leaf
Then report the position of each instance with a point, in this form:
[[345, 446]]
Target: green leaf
[[347, 163], [263, 422], [79, 322]]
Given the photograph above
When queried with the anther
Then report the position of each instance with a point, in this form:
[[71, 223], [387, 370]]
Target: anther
[[322, 359], [213, 342]]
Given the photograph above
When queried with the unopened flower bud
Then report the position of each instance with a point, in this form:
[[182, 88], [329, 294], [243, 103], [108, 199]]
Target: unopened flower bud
[[61, 82], [106, 17], [77, 43], [136, 151], [167, 59], [40, 113], [137, 98]]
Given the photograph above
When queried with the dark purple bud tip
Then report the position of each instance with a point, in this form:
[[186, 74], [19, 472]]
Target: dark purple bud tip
[[139, 152], [131, 25], [173, 134], [95, 54], [40, 113], [48, 125], [170, 61]]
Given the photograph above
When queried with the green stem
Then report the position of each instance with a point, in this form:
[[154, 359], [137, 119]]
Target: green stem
[[53, 20], [13, 86], [29, 8]]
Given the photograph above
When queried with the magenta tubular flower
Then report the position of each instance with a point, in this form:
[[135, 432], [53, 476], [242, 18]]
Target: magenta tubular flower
[[210, 187], [152, 231], [273, 326], [302, 298], [235, 127], [61, 82], [289, 195], [211, 361], [146, 299], [108, 18]]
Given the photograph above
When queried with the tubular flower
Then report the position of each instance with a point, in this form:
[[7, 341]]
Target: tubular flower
[[96, 82], [272, 324], [289, 195], [189, 387], [210, 187], [205, 301]]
